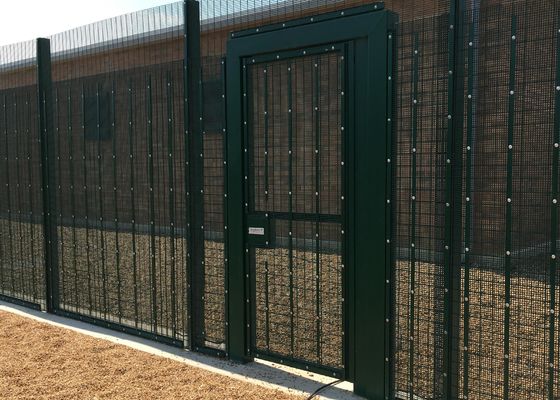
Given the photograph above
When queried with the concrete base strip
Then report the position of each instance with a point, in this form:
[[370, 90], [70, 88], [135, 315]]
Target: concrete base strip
[[262, 373]]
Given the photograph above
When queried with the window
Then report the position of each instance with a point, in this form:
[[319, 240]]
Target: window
[[93, 112], [212, 106]]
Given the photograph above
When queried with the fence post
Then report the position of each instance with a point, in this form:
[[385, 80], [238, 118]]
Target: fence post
[[44, 104], [194, 172], [454, 200]]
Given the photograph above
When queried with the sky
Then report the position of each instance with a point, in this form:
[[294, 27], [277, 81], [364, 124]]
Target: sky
[[29, 19]]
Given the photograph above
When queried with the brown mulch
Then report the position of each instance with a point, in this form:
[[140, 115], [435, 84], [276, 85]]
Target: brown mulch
[[41, 361]]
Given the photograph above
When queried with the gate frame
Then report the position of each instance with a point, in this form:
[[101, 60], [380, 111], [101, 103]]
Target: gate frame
[[370, 30]]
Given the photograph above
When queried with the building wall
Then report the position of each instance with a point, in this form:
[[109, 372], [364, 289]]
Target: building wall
[[426, 20]]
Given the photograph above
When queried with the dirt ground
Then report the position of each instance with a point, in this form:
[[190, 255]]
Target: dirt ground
[[40, 361]]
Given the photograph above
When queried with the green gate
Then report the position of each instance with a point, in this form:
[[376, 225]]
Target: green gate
[[302, 143], [294, 195]]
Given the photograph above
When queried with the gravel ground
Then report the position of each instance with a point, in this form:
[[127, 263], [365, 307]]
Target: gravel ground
[[40, 361]]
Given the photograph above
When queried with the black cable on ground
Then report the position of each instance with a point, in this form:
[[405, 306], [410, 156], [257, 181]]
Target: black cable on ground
[[315, 393]]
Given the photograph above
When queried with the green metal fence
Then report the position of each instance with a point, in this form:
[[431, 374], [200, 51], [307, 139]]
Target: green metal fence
[[114, 191], [120, 141], [22, 270]]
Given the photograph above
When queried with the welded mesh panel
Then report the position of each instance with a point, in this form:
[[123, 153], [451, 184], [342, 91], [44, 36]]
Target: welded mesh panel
[[509, 325], [316, 184], [118, 111], [298, 315], [420, 151], [22, 258], [295, 177]]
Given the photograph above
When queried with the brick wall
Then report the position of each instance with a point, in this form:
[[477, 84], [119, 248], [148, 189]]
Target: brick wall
[[132, 64]]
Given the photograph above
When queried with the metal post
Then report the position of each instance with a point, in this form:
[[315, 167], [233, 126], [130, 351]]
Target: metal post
[[237, 317], [194, 173], [48, 170], [372, 203], [245, 201], [390, 211]]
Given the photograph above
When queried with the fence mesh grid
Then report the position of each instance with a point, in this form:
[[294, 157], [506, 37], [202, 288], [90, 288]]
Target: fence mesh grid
[[122, 205], [120, 179], [509, 321], [420, 147], [22, 257]]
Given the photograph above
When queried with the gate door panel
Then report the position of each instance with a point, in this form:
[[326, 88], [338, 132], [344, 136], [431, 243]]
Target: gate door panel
[[294, 196]]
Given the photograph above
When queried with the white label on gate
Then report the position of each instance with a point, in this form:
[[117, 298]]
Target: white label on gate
[[256, 231]]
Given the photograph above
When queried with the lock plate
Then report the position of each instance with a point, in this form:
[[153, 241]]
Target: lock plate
[[258, 230]]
